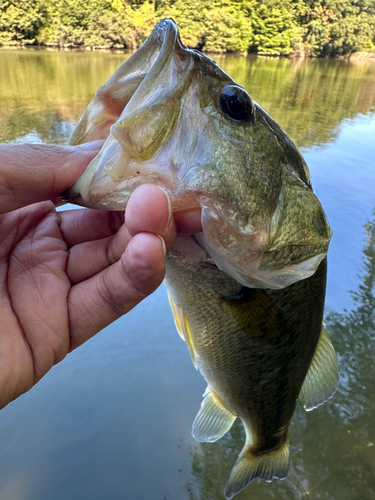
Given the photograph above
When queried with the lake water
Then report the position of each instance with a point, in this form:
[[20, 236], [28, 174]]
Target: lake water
[[113, 420]]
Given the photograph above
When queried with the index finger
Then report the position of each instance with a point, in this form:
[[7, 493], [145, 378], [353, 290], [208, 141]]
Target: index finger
[[82, 225], [37, 172]]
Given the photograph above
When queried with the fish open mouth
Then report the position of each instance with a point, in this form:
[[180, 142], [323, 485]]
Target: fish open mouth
[[159, 117], [135, 111]]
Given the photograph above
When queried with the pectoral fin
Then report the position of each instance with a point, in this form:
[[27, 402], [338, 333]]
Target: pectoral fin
[[212, 420], [249, 466], [177, 316], [323, 375], [183, 327]]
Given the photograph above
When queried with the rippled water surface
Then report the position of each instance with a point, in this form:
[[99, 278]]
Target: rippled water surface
[[113, 420]]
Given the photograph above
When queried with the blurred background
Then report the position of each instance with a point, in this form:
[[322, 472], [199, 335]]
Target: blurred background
[[113, 420]]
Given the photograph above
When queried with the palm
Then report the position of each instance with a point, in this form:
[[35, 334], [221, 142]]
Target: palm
[[34, 295], [65, 276]]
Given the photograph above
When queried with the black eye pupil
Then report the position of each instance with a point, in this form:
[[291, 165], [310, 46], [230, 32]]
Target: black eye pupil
[[235, 103]]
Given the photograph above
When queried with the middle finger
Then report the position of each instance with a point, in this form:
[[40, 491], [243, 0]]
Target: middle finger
[[91, 257]]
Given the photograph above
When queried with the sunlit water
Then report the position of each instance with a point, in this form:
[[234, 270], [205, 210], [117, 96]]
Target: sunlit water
[[113, 420]]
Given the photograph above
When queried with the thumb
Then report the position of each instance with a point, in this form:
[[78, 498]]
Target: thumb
[[36, 172]]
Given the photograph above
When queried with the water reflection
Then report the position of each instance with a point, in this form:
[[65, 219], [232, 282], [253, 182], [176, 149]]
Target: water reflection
[[327, 92], [44, 93], [113, 419], [333, 447]]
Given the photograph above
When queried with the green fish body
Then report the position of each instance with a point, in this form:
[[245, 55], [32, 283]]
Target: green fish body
[[254, 347], [247, 293]]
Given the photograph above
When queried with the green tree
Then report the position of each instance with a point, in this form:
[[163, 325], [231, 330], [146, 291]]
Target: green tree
[[279, 27], [338, 27], [215, 26], [275, 28], [20, 21], [189, 17], [97, 23], [227, 27]]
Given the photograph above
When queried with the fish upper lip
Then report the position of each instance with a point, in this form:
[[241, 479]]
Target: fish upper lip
[[167, 31], [166, 34], [155, 57]]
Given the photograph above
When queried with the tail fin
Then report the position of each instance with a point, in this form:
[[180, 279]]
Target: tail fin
[[274, 464]]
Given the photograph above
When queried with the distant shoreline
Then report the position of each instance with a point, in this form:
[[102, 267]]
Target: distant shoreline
[[355, 56]]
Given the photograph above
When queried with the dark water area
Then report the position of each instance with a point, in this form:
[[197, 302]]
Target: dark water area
[[113, 420]]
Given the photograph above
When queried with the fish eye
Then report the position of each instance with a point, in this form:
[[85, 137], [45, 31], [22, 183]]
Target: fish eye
[[236, 103]]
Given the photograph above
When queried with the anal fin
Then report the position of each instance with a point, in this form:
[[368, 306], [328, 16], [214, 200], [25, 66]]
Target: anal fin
[[212, 420], [272, 465], [322, 378]]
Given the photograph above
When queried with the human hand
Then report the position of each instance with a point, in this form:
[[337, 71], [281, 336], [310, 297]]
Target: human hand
[[64, 276]]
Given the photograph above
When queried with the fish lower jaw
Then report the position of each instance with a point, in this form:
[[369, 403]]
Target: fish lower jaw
[[188, 248]]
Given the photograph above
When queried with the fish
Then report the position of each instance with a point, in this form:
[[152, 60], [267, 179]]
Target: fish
[[247, 293]]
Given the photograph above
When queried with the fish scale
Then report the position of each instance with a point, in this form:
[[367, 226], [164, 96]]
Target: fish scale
[[253, 347]]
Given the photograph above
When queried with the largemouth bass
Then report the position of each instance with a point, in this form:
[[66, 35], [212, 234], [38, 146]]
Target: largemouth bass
[[247, 293]]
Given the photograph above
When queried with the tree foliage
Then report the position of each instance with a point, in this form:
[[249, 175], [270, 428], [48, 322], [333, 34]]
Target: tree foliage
[[275, 27], [279, 27], [338, 27], [20, 22]]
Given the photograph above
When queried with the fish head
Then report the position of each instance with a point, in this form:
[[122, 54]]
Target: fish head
[[171, 116]]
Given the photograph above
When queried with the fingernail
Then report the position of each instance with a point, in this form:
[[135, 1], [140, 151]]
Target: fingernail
[[170, 213], [164, 246]]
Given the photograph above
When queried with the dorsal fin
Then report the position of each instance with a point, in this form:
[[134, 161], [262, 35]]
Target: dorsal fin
[[322, 378]]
